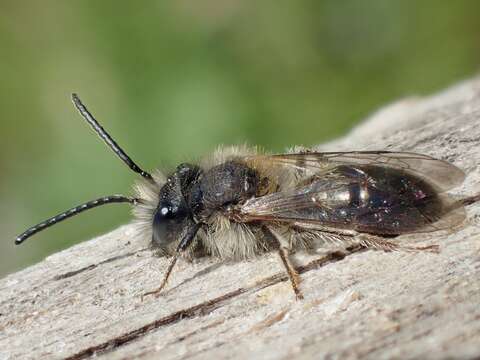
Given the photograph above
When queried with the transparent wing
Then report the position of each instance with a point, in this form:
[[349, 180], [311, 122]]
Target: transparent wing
[[443, 175], [326, 203]]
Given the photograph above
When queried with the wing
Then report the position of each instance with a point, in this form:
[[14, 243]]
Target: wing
[[341, 201], [441, 174]]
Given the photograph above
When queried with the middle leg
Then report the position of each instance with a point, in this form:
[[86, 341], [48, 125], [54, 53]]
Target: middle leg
[[283, 251]]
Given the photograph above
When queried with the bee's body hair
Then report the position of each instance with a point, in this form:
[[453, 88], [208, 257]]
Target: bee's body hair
[[241, 202], [226, 239]]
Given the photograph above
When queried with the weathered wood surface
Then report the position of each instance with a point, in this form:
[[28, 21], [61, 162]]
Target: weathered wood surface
[[86, 300]]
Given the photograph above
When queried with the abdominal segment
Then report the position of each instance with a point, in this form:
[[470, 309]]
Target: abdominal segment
[[374, 199], [363, 198]]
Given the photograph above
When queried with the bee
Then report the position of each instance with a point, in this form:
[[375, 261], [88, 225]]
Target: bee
[[241, 202]]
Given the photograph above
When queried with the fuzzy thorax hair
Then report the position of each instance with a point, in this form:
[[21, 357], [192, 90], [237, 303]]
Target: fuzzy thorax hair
[[230, 240], [222, 238]]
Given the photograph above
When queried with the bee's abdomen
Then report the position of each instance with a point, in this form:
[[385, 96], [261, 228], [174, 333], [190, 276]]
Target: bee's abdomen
[[378, 200]]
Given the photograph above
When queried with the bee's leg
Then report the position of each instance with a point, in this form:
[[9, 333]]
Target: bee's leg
[[182, 246], [379, 243], [283, 251], [292, 273], [157, 291]]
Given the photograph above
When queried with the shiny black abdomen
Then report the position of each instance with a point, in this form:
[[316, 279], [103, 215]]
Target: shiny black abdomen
[[374, 199]]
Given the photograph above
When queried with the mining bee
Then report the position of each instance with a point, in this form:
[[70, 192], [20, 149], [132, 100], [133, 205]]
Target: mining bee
[[240, 202]]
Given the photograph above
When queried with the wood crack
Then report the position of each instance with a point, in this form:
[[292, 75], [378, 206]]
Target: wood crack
[[206, 307], [93, 266]]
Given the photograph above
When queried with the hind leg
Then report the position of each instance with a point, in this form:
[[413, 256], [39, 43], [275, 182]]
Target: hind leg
[[379, 243]]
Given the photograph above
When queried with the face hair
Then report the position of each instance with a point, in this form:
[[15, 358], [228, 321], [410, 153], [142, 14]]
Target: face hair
[[82, 109], [72, 212], [93, 203]]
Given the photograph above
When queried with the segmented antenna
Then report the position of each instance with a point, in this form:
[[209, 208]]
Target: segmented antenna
[[107, 138], [72, 212]]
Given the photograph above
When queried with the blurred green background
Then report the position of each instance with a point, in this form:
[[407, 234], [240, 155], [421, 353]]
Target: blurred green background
[[171, 80]]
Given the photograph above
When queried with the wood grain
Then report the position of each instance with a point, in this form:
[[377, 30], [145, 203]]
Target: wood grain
[[86, 301]]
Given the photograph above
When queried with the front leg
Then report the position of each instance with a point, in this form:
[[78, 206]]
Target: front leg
[[182, 246]]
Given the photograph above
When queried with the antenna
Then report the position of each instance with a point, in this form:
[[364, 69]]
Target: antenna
[[72, 212], [82, 109]]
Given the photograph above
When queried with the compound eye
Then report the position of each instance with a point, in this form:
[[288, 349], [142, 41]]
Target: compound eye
[[166, 221], [165, 212], [161, 220]]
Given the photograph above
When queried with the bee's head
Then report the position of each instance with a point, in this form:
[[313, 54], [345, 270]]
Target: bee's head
[[174, 211]]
